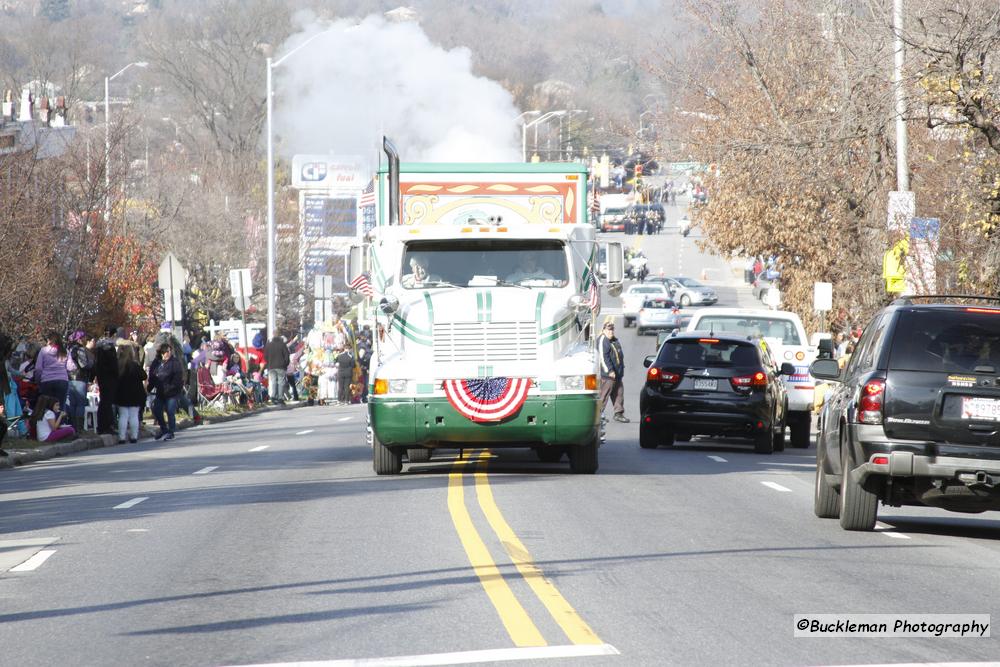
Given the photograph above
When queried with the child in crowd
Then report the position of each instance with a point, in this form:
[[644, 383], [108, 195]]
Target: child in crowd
[[47, 419]]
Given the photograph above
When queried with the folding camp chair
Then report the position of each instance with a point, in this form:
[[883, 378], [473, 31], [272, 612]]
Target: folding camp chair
[[209, 393]]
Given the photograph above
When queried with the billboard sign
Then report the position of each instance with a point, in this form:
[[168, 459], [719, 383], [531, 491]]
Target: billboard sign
[[329, 172]]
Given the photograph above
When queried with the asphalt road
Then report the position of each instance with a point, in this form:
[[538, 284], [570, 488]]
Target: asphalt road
[[270, 541]]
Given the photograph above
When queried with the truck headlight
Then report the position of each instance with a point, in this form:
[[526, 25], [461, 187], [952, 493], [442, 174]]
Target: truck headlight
[[579, 382], [572, 382]]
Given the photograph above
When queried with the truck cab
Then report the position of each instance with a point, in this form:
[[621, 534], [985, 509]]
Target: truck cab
[[485, 302]]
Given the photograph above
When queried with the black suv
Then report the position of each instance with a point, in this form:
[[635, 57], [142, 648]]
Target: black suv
[[914, 417], [710, 384]]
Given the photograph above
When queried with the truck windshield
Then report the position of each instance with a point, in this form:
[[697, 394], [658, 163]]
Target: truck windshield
[[766, 327], [484, 262]]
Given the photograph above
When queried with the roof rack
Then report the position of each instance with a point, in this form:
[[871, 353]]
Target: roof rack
[[908, 300]]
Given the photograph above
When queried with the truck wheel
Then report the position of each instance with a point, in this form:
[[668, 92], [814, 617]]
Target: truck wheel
[[858, 507], [826, 499], [627, 323], [386, 460], [549, 454], [583, 458], [800, 424], [418, 455]]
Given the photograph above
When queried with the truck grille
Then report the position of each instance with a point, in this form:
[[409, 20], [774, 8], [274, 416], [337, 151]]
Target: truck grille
[[485, 342]]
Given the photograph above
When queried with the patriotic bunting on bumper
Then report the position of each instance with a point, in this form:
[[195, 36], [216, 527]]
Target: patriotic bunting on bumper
[[487, 399]]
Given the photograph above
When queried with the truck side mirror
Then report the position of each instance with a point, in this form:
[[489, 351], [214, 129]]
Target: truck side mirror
[[616, 262]]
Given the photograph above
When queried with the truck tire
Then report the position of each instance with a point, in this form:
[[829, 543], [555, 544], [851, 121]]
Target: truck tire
[[386, 460], [826, 499], [627, 322], [858, 507], [800, 423], [549, 454], [418, 455], [583, 458]]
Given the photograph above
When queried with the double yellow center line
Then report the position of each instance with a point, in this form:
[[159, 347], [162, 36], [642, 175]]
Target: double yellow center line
[[520, 627]]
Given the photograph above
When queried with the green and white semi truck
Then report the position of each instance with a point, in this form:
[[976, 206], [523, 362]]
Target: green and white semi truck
[[485, 302]]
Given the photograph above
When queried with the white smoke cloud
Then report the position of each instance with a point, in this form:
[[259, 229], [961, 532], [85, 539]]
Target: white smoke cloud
[[357, 81]]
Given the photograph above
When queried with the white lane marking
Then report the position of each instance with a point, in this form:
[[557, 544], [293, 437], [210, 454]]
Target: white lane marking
[[718, 458], [776, 487], [462, 657], [34, 562], [130, 503], [260, 449], [890, 531], [343, 419], [137, 530], [306, 432], [205, 471]]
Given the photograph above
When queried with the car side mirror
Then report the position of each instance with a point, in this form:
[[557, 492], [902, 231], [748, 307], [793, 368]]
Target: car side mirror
[[825, 369], [648, 361], [787, 369]]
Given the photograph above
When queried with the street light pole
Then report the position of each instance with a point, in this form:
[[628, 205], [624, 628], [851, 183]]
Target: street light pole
[[271, 315], [107, 138]]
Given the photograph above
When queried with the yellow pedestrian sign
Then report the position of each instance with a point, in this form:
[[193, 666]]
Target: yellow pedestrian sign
[[894, 267]]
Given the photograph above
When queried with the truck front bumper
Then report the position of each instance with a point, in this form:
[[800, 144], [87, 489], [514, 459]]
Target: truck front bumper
[[558, 419]]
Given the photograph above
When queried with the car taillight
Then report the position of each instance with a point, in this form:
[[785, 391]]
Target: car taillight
[[659, 376], [872, 399], [758, 379]]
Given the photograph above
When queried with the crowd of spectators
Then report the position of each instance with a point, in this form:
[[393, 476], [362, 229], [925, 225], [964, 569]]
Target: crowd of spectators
[[50, 386]]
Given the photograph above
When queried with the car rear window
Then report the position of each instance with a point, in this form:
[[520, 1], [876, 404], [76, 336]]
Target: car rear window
[[707, 352], [946, 340], [646, 290], [764, 327], [665, 304]]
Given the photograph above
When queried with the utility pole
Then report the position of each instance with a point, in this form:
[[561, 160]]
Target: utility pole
[[902, 173]]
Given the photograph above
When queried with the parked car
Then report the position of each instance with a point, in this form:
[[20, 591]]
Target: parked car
[[658, 314], [914, 418], [704, 384], [636, 295]]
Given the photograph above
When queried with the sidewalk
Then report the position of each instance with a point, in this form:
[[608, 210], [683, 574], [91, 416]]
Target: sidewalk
[[90, 440]]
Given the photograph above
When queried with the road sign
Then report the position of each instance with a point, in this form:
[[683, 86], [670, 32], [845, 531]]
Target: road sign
[[172, 305], [241, 302], [171, 275], [324, 287], [239, 283], [902, 206], [823, 296], [323, 310]]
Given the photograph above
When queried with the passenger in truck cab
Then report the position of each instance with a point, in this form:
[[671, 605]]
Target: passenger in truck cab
[[419, 272], [528, 269]]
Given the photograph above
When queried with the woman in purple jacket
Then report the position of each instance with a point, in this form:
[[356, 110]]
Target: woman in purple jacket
[[51, 371]]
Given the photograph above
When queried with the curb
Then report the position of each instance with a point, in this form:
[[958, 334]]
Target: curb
[[19, 457]]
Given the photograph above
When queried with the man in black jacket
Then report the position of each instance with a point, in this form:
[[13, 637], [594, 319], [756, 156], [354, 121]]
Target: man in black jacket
[[276, 359], [106, 372], [345, 373], [612, 358]]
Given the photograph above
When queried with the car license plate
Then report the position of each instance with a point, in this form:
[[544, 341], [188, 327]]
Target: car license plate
[[981, 408], [708, 385]]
